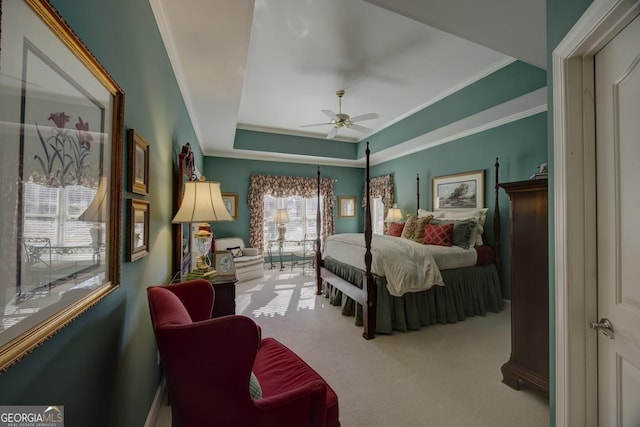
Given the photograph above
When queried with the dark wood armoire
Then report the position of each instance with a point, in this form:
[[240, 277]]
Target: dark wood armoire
[[528, 365]]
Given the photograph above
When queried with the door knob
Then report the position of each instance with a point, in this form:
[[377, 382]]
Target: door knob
[[604, 326]]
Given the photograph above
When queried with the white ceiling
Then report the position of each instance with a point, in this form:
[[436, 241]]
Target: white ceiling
[[272, 65]]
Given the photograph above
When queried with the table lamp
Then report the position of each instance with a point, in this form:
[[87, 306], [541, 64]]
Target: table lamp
[[281, 217], [202, 203], [96, 212], [394, 214]]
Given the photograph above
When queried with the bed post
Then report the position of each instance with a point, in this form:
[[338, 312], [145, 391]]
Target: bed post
[[417, 193], [318, 256], [496, 224], [369, 306]]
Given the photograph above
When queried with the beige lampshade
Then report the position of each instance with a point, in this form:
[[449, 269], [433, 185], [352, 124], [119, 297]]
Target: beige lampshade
[[394, 214], [202, 202], [281, 216], [97, 209]]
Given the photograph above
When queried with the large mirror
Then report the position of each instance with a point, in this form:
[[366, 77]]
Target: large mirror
[[61, 121]]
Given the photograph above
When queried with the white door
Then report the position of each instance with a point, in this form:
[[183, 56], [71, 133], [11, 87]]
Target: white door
[[617, 76]]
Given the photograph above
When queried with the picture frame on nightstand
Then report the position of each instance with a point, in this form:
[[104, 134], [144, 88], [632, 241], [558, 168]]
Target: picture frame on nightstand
[[224, 263]]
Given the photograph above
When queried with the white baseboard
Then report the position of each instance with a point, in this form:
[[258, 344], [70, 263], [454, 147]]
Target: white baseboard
[[506, 303], [156, 405]]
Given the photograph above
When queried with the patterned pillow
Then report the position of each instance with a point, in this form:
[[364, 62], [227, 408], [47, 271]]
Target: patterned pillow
[[414, 228], [254, 387], [438, 234], [235, 251], [395, 229], [463, 231]]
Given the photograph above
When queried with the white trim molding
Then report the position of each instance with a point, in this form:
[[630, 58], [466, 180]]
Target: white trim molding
[[575, 202]]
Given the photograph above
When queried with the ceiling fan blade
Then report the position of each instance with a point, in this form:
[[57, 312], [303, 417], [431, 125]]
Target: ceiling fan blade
[[332, 115], [359, 128], [368, 116], [316, 124], [333, 133]]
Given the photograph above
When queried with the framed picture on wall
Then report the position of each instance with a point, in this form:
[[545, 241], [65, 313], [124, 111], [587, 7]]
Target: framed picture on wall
[[231, 203], [61, 123], [137, 229], [138, 163], [459, 191], [346, 206]]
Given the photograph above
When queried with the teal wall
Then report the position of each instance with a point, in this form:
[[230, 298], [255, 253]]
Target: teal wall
[[233, 175], [103, 366], [561, 16]]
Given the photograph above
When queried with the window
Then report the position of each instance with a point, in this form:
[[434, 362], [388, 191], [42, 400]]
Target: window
[[377, 215], [302, 218]]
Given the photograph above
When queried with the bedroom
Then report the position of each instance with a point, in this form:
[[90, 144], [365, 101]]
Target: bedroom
[[125, 345]]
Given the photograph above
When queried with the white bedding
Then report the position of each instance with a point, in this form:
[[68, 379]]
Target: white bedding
[[407, 266]]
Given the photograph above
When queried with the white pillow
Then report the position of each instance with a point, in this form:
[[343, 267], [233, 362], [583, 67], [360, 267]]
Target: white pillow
[[479, 214], [422, 213]]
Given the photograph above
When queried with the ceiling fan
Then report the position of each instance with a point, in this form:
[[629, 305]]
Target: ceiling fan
[[341, 120]]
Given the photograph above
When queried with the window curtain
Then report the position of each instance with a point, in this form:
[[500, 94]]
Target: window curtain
[[380, 186], [285, 186]]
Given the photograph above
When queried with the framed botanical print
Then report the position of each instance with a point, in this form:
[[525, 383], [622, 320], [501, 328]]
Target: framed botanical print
[[61, 126]]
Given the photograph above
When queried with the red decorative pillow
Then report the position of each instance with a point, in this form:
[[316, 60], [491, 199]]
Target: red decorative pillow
[[395, 229], [438, 234]]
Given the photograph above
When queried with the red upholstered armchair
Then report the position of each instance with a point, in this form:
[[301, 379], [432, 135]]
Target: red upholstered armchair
[[208, 364]]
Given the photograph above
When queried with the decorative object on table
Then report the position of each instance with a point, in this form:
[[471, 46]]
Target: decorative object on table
[[394, 214], [346, 206], [459, 191], [542, 172], [248, 266], [281, 217], [231, 203], [50, 80], [138, 163], [96, 213], [138, 229], [202, 203], [225, 264]]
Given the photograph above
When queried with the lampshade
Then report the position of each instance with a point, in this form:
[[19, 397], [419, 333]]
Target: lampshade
[[281, 216], [394, 214], [97, 209], [202, 202]]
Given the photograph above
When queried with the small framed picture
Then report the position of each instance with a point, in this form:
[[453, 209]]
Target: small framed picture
[[138, 229], [138, 163], [460, 191], [231, 203], [224, 263], [346, 206]]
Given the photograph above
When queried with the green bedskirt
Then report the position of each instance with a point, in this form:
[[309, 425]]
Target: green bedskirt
[[468, 291]]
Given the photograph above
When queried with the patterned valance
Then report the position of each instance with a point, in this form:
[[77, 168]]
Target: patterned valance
[[286, 186], [380, 186]]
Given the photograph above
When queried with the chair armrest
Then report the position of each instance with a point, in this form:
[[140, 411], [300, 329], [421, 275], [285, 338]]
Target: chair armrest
[[250, 252]]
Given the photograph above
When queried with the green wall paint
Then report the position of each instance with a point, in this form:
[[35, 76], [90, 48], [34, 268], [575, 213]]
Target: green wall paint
[[278, 143], [512, 81], [561, 16], [103, 366], [233, 175]]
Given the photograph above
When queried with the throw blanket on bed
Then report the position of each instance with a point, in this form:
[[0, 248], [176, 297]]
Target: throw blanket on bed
[[407, 266]]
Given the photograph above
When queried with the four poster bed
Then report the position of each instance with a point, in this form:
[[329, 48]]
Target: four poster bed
[[396, 283]]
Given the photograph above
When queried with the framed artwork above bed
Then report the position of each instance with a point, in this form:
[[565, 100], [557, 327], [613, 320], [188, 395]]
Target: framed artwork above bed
[[459, 191]]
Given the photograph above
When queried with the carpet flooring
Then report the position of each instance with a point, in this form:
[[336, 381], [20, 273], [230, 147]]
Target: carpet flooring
[[439, 376]]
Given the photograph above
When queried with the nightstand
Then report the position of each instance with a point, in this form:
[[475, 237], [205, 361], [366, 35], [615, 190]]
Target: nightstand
[[225, 288]]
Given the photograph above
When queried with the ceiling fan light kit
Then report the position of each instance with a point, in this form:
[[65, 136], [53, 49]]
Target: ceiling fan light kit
[[341, 120]]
